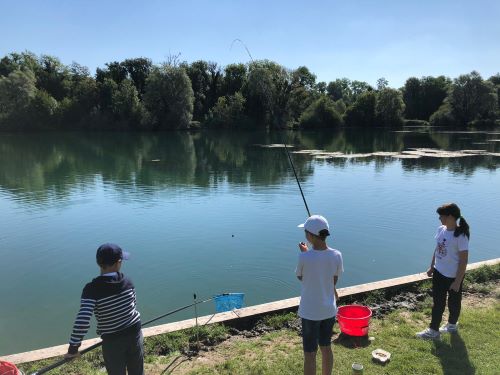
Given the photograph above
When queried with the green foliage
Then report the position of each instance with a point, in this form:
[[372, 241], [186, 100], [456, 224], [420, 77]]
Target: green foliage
[[389, 108], [340, 106], [235, 76], [169, 98], [17, 90], [382, 83], [278, 321], [483, 274], [126, 106], [135, 94], [302, 92], [443, 116], [267, 92], [44, 109], [362, 112], [320, 114], [227, 112], [424, 96], [471, 98], [180, 340]]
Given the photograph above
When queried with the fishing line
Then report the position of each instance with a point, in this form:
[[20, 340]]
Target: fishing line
[[266, 92], [96, 345]]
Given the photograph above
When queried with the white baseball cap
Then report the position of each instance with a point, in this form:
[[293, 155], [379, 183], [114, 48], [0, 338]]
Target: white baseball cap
[[315, 224]]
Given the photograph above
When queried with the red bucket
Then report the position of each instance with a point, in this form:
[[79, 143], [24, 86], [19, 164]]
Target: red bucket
[[7, 368], [354, 319]]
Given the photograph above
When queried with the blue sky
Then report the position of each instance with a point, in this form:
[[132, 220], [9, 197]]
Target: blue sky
[[361, 40]]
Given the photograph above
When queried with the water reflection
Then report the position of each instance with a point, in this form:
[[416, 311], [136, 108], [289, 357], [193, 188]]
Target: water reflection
[[45, 167]]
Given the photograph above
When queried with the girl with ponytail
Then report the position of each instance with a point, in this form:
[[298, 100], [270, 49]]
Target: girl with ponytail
[[447, 269]]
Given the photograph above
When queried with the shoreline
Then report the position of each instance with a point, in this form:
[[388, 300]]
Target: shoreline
[[246, 317]]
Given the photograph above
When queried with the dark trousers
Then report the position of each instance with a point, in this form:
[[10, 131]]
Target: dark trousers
[[124, 352], [441, 290]]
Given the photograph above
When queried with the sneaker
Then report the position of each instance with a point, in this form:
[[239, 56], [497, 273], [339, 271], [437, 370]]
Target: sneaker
[[449, 328], [429, 334]]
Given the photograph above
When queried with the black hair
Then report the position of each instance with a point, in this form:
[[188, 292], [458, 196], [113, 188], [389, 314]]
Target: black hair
[[323, 233], [453, 210]]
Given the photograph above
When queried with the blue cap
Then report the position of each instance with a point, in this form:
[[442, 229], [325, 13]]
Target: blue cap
[[110, 253]]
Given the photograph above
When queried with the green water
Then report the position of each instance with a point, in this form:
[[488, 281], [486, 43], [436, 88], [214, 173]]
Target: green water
[[214, 212]]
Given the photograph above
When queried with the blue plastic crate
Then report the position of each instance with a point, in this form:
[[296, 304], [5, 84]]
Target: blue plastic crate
[[228, 301]]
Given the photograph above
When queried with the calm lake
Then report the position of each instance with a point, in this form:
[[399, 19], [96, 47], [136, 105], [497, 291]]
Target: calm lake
[[213, 212]]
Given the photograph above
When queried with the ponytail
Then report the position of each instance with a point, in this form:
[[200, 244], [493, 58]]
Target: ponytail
[[463, 228], [453, 210]]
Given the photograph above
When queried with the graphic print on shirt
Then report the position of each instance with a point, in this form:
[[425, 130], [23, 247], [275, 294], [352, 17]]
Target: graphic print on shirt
[[441, 249]]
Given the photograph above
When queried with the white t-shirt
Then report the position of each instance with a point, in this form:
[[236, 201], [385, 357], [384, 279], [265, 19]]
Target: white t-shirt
[[447, 251], [317, 269]]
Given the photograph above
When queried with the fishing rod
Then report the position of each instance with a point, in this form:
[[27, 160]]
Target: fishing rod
[[96, 345], [297, 179], [284, 143]]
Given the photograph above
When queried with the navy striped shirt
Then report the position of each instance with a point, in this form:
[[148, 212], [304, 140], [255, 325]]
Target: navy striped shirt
[[113, 301]]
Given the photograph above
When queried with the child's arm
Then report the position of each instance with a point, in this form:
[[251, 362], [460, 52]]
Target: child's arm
[[430, 271], [462, 266], [81, 326], [335, 279]]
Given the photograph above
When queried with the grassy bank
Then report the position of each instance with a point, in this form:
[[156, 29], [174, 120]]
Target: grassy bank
[[279, 351]]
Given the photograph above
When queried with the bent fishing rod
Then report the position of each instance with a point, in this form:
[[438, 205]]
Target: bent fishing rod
[[297, 179], [96, 345], [284, 143]]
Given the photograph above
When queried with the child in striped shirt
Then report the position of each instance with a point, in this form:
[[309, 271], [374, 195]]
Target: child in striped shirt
[[111, 297]]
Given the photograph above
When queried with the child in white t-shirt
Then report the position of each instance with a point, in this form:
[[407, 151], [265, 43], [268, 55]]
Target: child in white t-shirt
[[318, 269], [447, 269]]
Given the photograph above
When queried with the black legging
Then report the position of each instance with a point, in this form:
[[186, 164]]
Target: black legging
[[441, 288]]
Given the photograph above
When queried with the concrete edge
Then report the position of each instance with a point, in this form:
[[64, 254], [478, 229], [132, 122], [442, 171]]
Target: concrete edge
[[245, 312]]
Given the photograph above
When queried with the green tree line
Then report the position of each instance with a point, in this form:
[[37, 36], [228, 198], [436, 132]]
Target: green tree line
[[39, 92]]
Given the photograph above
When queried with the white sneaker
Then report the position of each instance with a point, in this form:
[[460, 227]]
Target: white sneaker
[[449, 328], [429, 334]]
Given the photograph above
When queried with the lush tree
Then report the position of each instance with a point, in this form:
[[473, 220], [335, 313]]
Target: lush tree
[[362, 112], [206, 81], [267, 93], [106, 90], [78, 71], [340, 89], [340, 106], [320, 114], [169, 98], [80, 104], [138, 70], [443, 116], [434, 91], [471, 98], [382, 83], [495, 80], [18, 61], [43, 111], [53, 77], [126, 106], [424, 96], [114, 70], [321, 87], [227, 112], [302, 92], [389, 107], [358, 88], [412, 97], [17, 90], [235, 76]]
